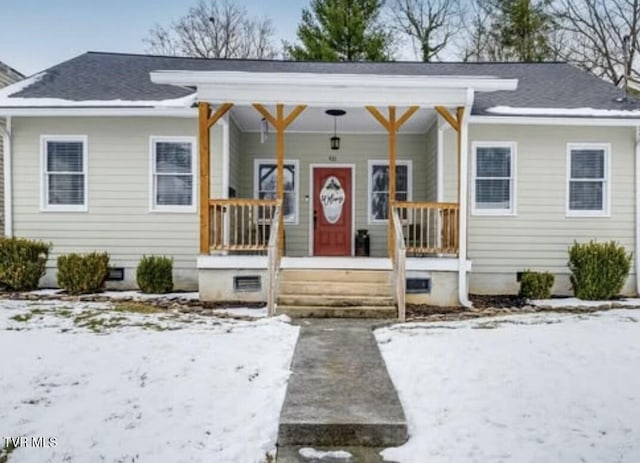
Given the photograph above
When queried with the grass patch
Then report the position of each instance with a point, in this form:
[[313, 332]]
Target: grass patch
[[137, 307], [7, 450], [22, 318]]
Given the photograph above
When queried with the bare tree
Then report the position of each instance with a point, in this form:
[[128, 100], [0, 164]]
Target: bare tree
[[429, 24], [595, 32], [478, 44], [215, 29]]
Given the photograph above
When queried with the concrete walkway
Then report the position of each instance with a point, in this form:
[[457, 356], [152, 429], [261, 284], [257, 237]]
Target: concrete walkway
[[339, 393]]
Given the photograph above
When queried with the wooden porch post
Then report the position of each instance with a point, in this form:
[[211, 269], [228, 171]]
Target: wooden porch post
[[392, 125], [205, 121], [280, 124]]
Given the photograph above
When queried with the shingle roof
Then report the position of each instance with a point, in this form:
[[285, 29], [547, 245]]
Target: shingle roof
[[112, 76]]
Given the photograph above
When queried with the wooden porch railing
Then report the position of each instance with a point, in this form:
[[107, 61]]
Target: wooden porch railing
[[429, 228], [399, 265], [273, 262], [241, 224]]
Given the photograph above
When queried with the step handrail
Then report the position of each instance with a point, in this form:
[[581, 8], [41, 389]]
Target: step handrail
[[399, 264]]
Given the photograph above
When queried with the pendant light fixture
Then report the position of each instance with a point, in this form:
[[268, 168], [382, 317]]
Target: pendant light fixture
[[335, 140]]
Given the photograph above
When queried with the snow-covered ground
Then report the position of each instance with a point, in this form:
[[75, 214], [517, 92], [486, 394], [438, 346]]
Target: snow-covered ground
[[533, 388], [120, 386]]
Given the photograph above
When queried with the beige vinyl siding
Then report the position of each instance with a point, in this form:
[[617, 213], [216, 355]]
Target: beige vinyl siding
[[539, 235], [235, 152], [119, 220], [355, 149]]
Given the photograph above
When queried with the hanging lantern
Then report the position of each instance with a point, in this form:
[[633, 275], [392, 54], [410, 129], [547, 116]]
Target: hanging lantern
[[335, 140]]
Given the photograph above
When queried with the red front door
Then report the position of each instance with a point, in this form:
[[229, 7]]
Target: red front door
[[332, 232]]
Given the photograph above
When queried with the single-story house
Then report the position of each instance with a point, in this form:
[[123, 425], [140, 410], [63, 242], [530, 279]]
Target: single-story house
[[8, 75], [271, 180]]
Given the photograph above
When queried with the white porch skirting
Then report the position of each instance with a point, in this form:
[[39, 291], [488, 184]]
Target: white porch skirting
[[218, 275]]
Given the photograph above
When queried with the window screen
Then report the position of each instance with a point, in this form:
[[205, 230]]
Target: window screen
[[65, 173], [173, 173], [267, 187], [588, 180], [379, 182], [494, 178]]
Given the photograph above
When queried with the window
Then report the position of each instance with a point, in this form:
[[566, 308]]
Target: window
[[172, 174], [266, 186], [494, 167], [379, 187], [588, 171], [64, 173]]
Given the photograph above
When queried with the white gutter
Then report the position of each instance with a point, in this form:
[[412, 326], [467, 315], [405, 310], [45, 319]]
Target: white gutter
[[637, 133], [463, 292], [8, 175], [558, 120], [34, 111]]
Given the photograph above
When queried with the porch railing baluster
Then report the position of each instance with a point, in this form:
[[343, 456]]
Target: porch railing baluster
[[429, 228], [248, 222]]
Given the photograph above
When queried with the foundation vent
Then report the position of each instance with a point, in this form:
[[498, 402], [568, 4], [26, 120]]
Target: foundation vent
[[247, 284], [419, 285]]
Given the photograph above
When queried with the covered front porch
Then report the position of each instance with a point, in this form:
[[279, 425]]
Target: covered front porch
[[290, 196]]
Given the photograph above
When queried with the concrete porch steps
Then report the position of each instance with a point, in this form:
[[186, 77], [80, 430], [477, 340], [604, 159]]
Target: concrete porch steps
[[339, 293], [339, 393]]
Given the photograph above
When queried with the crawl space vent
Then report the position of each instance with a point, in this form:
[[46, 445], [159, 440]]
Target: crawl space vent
[[419, 285], [247, 283]]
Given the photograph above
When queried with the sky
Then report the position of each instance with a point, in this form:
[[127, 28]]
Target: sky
[[37, 34]]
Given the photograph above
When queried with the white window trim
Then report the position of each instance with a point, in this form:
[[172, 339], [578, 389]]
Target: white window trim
[[385, 162], [512, 211], [153, 207], [296, 174], [606, 202], [44, 179]]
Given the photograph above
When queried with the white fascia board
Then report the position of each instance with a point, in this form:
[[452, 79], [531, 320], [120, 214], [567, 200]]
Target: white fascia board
[[541, 120], [370, 81], [322, 95], [98, 112]]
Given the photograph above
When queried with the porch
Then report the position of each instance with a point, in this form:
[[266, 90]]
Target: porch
[[366, 185]]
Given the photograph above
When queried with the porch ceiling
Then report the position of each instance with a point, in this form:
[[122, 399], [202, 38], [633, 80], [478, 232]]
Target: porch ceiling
[[315, 120]]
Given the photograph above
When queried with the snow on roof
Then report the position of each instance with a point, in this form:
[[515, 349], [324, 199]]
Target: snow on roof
[[8, 100], [567, 112]]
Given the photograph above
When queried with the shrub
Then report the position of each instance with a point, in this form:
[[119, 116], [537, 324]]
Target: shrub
[[83, 274], [22, 262], [155, 274], [598, 270], [536, 285]]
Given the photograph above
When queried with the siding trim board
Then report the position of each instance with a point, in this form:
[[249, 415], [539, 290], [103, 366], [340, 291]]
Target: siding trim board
[[44, 181]]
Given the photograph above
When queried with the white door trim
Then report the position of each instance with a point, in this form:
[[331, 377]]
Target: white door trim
[[353, 201]]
